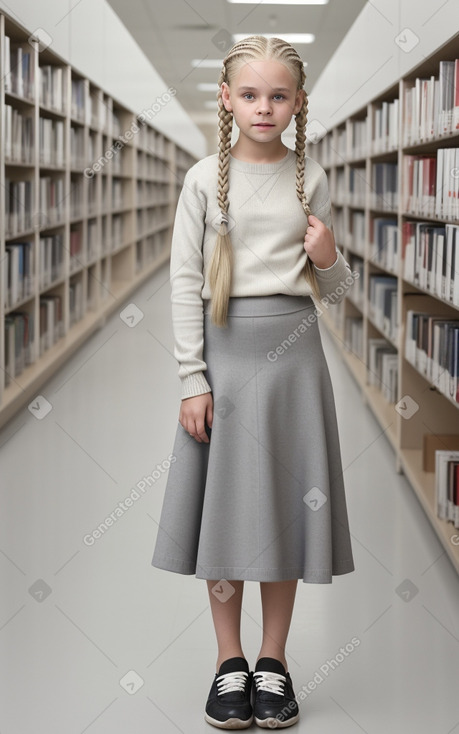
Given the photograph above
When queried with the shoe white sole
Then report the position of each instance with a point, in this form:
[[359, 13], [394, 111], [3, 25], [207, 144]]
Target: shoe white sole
[[272, 723], [230, 723]]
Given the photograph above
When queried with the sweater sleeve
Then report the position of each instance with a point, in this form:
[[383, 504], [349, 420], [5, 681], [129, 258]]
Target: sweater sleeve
[[187, 280], [337, 279]]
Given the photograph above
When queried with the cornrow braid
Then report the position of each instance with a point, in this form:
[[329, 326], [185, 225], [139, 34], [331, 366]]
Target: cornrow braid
[[300, 143], [253, 48], [221, 265]]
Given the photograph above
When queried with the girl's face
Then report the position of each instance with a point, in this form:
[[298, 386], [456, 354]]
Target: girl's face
[[262, 91]]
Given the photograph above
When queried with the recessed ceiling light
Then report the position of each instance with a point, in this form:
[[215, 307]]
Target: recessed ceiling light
[[214, 63], [207, 63], [289, 37], [282, 2], [208, 86]]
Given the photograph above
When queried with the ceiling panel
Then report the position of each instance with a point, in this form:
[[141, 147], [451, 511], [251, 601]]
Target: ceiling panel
[[173, 33]]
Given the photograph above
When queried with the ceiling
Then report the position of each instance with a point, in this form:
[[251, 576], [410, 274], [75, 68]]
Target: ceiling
[[172, 34]]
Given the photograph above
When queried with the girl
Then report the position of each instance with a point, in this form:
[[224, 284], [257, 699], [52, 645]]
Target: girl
[[256, 490]]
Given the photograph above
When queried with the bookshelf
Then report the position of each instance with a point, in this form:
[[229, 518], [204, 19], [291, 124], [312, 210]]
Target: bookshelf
[[393, 212], [89, 198]]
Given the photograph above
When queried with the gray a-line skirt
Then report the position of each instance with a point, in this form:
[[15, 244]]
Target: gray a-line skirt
[[264, 500]]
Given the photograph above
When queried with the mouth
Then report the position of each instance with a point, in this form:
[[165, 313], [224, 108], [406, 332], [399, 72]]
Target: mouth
[[263, 124]]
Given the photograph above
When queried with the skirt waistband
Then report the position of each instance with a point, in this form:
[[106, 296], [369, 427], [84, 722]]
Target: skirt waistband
[[278, 303]]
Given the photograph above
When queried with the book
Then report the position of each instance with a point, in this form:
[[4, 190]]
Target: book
[[51, 80], [359, 138], [377, 348], [389, 376], [8, 81], [51, 259], [76, 311], [447, 485], [92, 239], [456, 96], [432, 346], [447, 87], [78, 99], [19, 337], [430, 256], [357, 293], [21, 69], [51, 321], [52, 200], [419, 175], [383, 304], [116, 124], [447, 184], [77, 159], [355, 238], [76, 248], [18, 206], [353, 335], [384, 244], [92, 108], [434, 441], [386, 127], [51, 142], [117, 193], [117, 231], [443, 368], [76, 197], [431, 105], [18, 136], [384, 186], [18, 273], [356, 191]]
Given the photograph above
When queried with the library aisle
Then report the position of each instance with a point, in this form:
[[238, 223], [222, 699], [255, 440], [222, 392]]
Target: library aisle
[[94, 639]]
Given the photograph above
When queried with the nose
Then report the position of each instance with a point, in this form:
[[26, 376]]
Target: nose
[[264, 107]]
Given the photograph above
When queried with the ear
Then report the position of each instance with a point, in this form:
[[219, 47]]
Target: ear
[[299, 100], [225, 97]]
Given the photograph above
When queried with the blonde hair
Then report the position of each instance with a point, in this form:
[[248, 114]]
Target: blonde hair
[[253, 48]]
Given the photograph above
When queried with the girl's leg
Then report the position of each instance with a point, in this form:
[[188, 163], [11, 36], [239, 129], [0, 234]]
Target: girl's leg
[[227, 621], [277, 600]]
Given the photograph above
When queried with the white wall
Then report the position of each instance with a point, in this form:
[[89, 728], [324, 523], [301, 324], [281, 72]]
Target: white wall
[[92, 38], [368, 60]]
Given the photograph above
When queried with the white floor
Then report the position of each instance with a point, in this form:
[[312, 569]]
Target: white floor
[[94, 639]]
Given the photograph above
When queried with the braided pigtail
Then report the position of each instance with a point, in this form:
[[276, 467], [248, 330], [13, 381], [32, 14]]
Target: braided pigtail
[[253, 48], [221, 263], [300, 143]]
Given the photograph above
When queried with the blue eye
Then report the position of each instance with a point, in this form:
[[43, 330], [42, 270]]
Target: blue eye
[[251, 95]]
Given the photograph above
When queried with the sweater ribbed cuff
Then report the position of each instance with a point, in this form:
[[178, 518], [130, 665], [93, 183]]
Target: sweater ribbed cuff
[[323, 270], [194, 384]]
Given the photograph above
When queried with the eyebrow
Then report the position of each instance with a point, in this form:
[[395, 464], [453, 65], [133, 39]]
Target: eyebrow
[[254, 89]]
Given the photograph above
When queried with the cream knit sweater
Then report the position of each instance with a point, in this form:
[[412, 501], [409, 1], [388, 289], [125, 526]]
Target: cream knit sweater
[[267, 226]]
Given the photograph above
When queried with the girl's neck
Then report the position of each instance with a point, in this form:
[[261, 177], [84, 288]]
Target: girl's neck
[[265, 153]]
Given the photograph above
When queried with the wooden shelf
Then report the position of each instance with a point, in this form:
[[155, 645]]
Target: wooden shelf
[[384, 412], [436, 412], [423, 484], [120, 190], [24, 387]]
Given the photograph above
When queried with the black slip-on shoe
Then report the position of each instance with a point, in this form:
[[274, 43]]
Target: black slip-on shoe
[[228, 705], [273, 699]]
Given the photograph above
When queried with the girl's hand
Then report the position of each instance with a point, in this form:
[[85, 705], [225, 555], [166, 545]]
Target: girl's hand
[[319, 243], [194, 412]]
